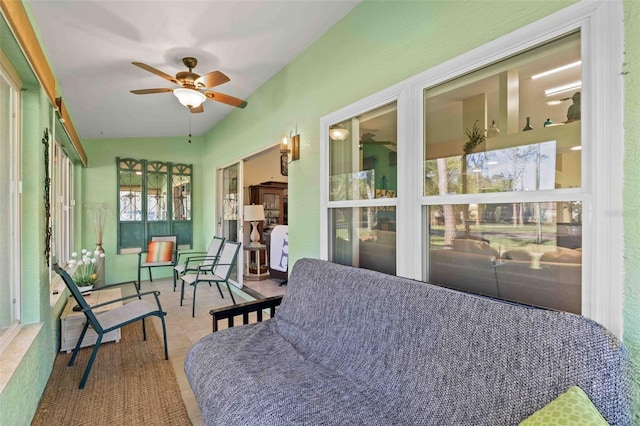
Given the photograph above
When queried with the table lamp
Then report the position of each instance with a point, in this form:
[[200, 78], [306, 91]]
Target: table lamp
[[254, 214]]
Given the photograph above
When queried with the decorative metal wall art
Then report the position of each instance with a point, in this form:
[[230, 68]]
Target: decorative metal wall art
[[47, 199]]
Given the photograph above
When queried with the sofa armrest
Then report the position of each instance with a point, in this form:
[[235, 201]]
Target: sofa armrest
[[244, 309]]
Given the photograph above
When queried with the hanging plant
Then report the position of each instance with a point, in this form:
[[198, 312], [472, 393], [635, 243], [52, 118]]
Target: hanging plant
[[476, 137]]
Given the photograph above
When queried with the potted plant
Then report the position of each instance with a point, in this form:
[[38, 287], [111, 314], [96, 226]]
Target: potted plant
[[253, 268], [86, 269]]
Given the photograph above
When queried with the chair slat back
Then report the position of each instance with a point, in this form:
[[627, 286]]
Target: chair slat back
[[214, 251], [227, 259], [80, 300]]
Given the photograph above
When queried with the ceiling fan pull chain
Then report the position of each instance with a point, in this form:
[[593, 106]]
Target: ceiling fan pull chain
[[189, 128]]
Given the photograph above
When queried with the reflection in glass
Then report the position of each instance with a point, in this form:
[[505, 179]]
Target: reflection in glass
[[156, 191], [525, 252], [362, 164], [364, 237], [230, 202], [520, 168], [476, 121], [156, 196], [130, 195], [181, 197]]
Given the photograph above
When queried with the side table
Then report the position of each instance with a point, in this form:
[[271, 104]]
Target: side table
[[258, 252], [72, 322]]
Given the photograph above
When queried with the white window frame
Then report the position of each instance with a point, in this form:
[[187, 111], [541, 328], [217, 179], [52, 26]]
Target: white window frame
[[10, 76], [63, 202], [602, 44]]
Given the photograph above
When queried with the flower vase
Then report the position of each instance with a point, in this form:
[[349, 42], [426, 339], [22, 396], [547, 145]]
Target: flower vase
[[85, 289], [100, 269]]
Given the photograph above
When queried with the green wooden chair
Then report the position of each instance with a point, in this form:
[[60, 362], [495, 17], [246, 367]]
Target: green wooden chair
[[104, 322], [217, 273]]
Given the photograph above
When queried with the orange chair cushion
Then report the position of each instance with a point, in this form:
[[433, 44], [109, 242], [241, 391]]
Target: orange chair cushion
[[160, 251]]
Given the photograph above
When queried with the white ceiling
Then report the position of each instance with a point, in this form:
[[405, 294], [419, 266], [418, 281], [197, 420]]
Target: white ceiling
[[91, 45]]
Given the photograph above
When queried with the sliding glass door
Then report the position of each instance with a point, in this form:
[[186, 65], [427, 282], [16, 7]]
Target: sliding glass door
[[229, 212]]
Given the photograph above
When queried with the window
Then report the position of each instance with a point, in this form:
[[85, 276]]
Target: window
[[362, 189], [63, 203], [10, 208], [501, 216], [491, 136], [154, 198]]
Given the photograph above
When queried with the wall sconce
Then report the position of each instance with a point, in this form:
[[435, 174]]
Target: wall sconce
[[289, 146]]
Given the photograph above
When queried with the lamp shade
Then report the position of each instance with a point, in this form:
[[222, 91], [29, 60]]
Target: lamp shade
[[338, 133], [189, 97], [254, 213]]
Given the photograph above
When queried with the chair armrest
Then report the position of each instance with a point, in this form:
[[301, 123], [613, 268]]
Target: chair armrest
[[245, 309], [189, 253], [195, 259], [156, 293]]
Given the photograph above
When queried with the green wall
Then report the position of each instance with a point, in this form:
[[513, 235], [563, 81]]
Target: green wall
[[99, 184], [378, 44]]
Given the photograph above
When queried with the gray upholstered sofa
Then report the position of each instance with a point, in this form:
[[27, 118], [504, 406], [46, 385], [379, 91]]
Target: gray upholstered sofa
[[355, 347]]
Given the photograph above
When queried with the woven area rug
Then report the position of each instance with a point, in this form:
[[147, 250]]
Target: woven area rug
[[130, 384]]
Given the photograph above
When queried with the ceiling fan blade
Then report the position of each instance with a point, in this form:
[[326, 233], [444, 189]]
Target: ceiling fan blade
[[149, 91], [226, 99], [197, 109], [211, 79], [156, 72], [372, 142]]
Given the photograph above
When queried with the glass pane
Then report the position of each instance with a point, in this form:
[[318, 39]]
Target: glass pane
[[524, 252], [156, 192], [271, 209], [513, 126], [364, 237], [130, 196], [7, 314], [230, 213], [362, 156], [181, 197]]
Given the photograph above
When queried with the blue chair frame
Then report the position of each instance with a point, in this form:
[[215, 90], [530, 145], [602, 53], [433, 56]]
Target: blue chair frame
[[104, 322], [217, 273]]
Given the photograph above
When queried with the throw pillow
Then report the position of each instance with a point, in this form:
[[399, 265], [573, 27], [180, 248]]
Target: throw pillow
[[160, 251], [571, 408]]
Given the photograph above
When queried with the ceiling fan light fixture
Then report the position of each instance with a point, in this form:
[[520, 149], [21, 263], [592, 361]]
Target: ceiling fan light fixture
[[338, 133], [189, 97]]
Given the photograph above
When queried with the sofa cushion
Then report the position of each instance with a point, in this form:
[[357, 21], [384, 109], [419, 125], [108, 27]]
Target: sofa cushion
[[517, 254], [268, 382], [571, 408], [474, 246], [562, 255]]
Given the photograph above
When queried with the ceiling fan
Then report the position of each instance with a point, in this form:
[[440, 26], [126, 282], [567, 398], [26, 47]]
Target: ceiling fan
[[190, 92], [367, 139]]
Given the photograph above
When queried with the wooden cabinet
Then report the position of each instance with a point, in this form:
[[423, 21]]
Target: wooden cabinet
[[273, 196]]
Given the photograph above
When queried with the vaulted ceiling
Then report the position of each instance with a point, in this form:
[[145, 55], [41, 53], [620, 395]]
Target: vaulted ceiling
[[91, 46]]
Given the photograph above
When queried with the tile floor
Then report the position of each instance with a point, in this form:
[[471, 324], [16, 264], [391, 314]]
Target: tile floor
[[183, 330]]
